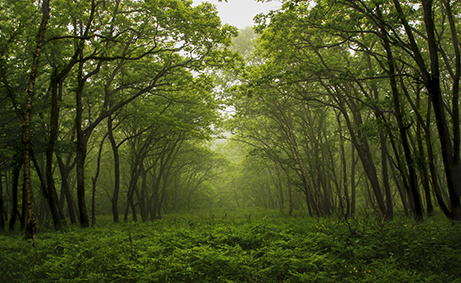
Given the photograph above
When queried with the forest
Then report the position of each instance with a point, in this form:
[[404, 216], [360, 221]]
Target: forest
[[146, 141]]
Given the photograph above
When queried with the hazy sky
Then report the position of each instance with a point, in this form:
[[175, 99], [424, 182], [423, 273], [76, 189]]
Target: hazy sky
[[240, 13]]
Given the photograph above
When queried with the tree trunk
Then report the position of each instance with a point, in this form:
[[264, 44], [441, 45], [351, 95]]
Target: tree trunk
[[353, 184], [432, 168], [295, 151], [30, 231], [344, 202], [362, 146], [131, 191], [431, 80], [2, 215], [94, 181], [50, 185], [116, 170], [156, 198], [14, 197], [81, 147], [80, 163], [65, 189], [410, 165], [385, 178], [290, 191], [423, 170], [143, 194]]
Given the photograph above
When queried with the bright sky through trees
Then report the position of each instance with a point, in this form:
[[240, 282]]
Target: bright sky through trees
[[240, 13]]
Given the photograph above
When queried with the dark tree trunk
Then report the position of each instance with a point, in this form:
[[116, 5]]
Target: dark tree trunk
[[50, 185], [65, 188], [143, 194], [30, 231], [116, 170], [432, 168], [2, 215], [423, 170], [353, 184], [14, 197], [410, 165], [81, 147], [385, 177], [80, 162], [94, 181], [344, 202], [361, 145], [290, 191], [131, 191], [156, 199], [43, 212], [431, 79]]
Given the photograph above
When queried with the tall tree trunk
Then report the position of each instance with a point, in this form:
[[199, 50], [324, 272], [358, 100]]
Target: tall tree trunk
[[276, 179], [290, 191], [418, 208], [353, 184], [143, 194], [80, 163], [385, 178], [30, 231], [162, 201], [156, 196], [116, 170], [2, 214], [50, 185], [451, 161], [94, 181], [431, 80], [423, 168], [425, 180], [432, 168], [81, 148], [14, 197], [363, 148], [297, 155], [344, 202], [455, 88]]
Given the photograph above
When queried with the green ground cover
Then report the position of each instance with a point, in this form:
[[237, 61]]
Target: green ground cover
[[246, 248]]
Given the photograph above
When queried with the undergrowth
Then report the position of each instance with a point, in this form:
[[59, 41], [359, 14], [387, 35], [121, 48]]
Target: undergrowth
[[246, 248]]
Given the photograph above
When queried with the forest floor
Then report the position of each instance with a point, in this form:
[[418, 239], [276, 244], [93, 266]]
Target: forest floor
[[254, 246]]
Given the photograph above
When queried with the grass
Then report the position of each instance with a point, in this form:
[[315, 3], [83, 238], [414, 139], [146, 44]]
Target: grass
[[252, 247]]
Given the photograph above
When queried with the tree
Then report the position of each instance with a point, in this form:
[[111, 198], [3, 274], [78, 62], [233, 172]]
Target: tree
[[31, 225], [96, 58], [350, 57]]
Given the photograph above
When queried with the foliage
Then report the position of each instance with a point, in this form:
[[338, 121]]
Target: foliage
[[250, 246], [348, 96], [115, 72]]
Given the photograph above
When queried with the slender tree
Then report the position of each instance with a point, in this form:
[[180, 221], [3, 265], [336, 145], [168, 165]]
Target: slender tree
[[30, 231]]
